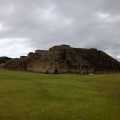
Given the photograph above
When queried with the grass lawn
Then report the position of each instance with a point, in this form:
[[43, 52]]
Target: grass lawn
[[36, 96]]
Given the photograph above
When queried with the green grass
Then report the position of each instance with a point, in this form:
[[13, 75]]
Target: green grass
[[36, 96]]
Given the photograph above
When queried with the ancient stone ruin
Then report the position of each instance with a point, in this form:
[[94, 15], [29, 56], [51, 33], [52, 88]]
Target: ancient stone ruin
[[64, 58]]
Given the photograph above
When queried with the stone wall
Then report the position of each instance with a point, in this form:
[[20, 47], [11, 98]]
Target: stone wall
[[22, 57], [41, 51]]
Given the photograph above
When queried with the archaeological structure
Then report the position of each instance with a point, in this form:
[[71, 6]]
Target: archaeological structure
[[64, 58]]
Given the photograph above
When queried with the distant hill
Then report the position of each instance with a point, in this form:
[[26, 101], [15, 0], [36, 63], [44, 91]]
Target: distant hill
[[64, 58]]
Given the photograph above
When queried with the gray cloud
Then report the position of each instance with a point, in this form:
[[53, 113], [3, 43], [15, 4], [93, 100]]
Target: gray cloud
[[26, 25]]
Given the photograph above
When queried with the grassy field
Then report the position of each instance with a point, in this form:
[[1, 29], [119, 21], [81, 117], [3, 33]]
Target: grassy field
[[36, 96]]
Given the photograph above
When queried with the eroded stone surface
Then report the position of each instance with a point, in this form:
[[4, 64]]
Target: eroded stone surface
[[65, 59]]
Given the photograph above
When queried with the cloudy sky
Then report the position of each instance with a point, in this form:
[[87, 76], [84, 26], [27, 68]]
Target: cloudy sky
[[27, 25]]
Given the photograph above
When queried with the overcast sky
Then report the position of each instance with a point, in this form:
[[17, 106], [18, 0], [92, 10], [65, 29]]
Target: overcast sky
[[27, 25]]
